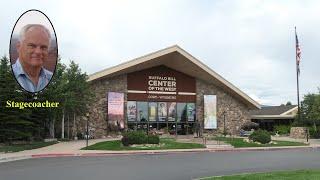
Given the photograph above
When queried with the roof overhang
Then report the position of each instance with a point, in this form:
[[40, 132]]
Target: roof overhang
[[183, 62]]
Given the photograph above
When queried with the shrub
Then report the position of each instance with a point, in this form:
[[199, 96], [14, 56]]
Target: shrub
[[282, 129], [261, 136], [125, 141], [249, 125], [153, 139], [314, 133], [138, 137]]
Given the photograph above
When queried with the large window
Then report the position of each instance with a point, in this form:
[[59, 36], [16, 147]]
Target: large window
[[182, 112], [142, 111], [152, 116]]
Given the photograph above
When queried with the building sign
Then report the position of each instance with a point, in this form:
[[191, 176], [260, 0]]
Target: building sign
[[210, 112], [161, 84], [116, 109]]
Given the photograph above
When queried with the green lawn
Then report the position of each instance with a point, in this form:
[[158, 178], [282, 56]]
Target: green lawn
[[167, 143], [238, 143], [281, 175], [22, 147]]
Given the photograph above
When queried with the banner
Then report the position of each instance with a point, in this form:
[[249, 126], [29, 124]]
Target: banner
[[116, 109], [210, 112], [132, 111], [162, 111], [191, 111]]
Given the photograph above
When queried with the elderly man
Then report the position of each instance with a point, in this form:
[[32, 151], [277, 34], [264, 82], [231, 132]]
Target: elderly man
[[33, 50]]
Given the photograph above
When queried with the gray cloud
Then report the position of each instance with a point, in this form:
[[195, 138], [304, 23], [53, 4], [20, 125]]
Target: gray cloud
[[250, 43]]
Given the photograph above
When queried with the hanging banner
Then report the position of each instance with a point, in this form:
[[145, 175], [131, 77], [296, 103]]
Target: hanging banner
[[191, 111], [210, 112], [162, 111], [116, 109], [131, 110]]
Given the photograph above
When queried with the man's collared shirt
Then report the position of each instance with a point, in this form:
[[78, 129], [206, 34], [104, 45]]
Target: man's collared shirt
[[25, 81]]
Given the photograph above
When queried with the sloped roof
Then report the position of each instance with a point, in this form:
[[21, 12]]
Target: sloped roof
[[178, 59], [272, 110], [275, 112]]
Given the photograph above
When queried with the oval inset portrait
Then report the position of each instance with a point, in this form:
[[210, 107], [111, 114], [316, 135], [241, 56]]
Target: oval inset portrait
[[33, 51]]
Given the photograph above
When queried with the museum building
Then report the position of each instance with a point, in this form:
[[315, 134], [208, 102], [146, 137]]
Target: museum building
[[166, 91]]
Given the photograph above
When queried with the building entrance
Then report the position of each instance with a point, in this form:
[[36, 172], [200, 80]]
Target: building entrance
[[175, 118]]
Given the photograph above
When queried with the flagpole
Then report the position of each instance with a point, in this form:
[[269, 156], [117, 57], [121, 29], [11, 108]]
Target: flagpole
[[297, 72]]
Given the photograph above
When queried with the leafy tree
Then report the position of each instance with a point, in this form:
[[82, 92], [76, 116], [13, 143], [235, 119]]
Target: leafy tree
[[310, 110]]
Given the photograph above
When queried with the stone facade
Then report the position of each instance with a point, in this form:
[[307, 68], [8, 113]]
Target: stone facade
[[98, 109], [298, 132], [236, 113]]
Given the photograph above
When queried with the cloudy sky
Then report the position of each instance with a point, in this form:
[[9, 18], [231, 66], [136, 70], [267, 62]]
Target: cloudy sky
[[250, 43]]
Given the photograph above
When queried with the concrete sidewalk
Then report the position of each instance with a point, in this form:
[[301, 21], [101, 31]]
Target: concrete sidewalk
[[72, 148]]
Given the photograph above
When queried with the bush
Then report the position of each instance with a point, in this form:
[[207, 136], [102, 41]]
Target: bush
[[282, 129], [250, 125], [139, 137], [261, 136], [314, 133], [153, 139], [125, 141]]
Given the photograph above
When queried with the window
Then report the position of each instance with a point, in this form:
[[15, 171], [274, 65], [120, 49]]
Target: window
[[182, 112], [142, 111]]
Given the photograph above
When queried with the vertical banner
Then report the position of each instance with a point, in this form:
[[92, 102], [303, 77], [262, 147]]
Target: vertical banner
[[191, 111], [115, 109], [132, 110], [172, 111], [162, 111], [210, 111]]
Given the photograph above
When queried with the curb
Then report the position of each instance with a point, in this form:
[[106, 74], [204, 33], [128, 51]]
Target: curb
[[8, 159], [151, 152]]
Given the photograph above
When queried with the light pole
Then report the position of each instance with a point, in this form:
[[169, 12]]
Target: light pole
[[224, 123], [87, 130]]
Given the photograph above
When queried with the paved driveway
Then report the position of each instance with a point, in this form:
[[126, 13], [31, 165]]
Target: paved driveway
[[174, 166]]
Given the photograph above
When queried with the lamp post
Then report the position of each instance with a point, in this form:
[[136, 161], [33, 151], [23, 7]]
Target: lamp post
[[87, 130], [224, 123]]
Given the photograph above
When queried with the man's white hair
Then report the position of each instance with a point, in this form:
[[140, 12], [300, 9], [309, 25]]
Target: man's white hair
[[25, 29]]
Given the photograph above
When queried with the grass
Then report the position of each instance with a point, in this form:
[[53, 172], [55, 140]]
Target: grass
[[168, 143], [238, 143], [22, 147], [282, 175]]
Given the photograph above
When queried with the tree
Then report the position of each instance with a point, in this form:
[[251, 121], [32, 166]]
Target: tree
[[310, 110], [288, 103], [15, 123]]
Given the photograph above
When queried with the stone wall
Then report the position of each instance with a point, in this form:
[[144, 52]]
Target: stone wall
[[298, 132], [98, 109], [236, 115]]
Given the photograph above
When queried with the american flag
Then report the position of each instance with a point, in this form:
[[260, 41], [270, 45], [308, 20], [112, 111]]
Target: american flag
[[298, 53]]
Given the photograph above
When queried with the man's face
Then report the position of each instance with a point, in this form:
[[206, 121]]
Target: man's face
[[33, 49]]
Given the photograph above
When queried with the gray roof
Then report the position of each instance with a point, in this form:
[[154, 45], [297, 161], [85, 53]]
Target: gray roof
[[272, 110]]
